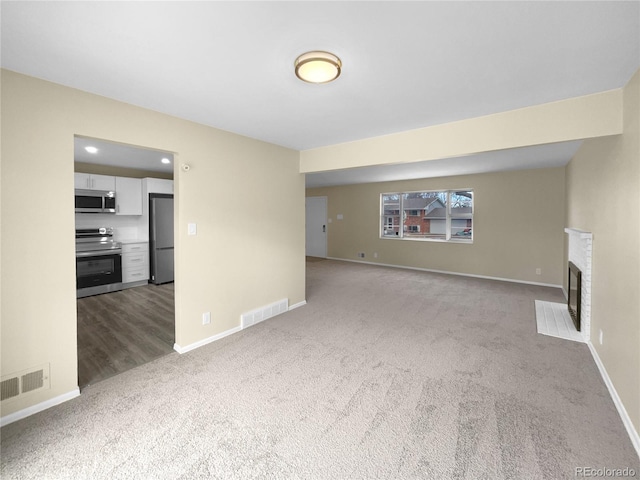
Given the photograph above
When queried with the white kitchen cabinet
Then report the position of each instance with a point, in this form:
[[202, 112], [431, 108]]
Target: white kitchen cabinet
[[135, 264], [128, 196], [158, 185], [153, 185], [88, 181], [81, 180]]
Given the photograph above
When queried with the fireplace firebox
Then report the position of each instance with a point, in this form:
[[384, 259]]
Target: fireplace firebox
[[575, 293]]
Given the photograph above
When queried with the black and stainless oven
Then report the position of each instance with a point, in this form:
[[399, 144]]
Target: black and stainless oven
[[98, 262]]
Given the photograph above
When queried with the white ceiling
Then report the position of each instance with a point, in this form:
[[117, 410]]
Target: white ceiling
[[406, 65], [121, 155]]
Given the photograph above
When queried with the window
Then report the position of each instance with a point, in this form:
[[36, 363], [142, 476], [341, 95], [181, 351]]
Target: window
[[391, 214], [439, 215]]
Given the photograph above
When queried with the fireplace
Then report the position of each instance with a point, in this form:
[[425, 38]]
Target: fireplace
[[574, 297], [580, 255]]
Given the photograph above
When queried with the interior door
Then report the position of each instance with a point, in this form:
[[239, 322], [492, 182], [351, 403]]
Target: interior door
[[316, 227]]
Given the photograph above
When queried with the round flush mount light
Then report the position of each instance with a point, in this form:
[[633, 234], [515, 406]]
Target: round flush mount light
[[91, 149], [165, 160], [318, 67]]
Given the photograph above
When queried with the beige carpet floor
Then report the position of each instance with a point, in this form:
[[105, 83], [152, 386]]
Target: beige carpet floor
[[386, 373]]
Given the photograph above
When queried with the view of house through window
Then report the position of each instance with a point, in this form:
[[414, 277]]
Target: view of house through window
[[441, 215]]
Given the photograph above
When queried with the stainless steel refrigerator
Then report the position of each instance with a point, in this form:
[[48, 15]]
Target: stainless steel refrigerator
[[161, 237]]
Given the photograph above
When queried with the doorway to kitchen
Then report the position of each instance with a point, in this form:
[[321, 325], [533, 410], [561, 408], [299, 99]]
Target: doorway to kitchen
[[124, 320]]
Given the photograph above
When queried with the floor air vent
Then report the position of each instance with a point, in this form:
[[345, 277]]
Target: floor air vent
[[263, 313], [17, 384]]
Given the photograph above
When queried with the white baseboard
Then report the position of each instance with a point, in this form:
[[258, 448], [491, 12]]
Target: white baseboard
[[201, 343], [566, 295], [633, 434], [297, 305], [447, 272], [26, 412], [220, 336]]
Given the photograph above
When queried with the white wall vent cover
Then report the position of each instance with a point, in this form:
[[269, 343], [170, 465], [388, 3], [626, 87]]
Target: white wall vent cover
[[31, 380], [263, 313]]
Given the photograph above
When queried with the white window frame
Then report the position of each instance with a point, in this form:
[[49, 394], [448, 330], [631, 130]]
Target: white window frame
[[448, 221]]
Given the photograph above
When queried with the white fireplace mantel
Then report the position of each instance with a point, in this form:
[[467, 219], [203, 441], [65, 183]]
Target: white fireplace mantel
[[580, 253], [580, 233]]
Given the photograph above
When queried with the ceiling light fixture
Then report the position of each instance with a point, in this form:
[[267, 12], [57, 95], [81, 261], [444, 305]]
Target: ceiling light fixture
[[165, 160], [91, 149], [318, 67]]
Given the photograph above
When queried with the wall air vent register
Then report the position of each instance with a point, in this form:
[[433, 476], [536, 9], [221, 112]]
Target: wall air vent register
[[27, 381]]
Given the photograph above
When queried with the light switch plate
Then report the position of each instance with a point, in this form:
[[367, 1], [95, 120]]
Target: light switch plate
[[192, 229]]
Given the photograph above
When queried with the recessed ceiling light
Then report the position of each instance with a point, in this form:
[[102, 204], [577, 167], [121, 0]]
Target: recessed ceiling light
[[91, 149], [165, 160], [318, 67]]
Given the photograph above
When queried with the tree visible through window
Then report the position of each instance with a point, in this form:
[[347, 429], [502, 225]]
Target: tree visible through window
[[438, 215]]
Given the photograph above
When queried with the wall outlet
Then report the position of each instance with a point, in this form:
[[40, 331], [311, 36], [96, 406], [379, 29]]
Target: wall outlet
[[600, 336], [375, 254], [538, 271], [206, 318], [360, 254]]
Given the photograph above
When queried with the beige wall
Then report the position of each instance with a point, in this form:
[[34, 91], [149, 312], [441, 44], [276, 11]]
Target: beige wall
[[228, 268], [518, 226], [577, 118], [603, 197]]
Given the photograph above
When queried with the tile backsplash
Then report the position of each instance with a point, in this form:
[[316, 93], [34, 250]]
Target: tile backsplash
[[125, 227]]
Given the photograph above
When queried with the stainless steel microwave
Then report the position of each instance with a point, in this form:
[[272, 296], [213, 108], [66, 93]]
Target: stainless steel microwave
[[95, 201]]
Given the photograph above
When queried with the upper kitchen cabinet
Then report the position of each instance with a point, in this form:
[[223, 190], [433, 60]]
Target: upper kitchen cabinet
[[89, 181], [128, 196], [157, 185]]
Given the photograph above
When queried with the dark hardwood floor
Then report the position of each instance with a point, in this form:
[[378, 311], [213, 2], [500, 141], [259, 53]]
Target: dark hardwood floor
[[121, 330]]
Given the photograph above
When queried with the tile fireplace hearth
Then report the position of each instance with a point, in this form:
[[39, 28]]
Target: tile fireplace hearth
[[553, 319]]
